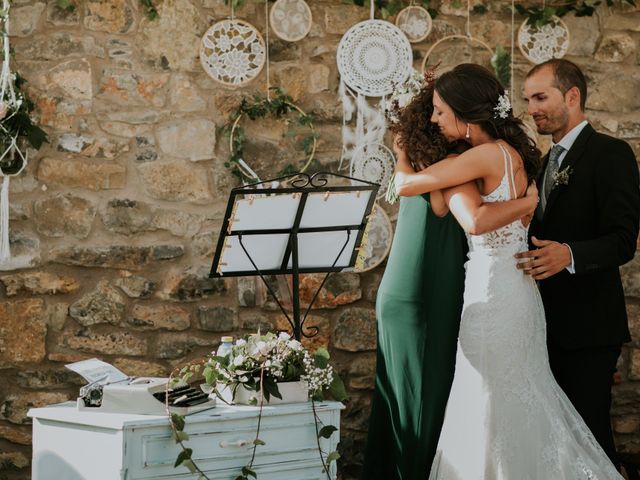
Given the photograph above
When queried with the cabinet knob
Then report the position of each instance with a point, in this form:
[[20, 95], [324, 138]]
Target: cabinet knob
[[237, 443]]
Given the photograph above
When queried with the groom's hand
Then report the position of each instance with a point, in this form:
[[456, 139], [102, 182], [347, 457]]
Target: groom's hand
[[545, 261]]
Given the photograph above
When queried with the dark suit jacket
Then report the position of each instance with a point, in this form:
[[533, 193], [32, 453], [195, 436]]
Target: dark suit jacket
[[597, 215]]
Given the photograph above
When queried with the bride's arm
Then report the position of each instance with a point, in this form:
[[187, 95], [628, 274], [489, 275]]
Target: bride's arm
[[446, 173], [476, 217]]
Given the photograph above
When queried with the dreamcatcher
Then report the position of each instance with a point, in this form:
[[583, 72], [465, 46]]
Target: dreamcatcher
[[232, 51], [415, 22], [12, 160], [373, 56], [540, 44], [291, 19]]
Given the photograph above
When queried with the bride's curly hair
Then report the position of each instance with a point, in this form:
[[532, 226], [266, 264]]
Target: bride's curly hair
[[473, 92], [415, 133]]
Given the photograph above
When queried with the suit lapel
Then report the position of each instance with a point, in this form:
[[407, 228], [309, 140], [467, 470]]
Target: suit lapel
[[575, 152]]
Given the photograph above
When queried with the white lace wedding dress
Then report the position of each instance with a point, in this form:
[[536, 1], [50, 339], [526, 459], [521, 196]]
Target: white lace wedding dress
[[507, 418]]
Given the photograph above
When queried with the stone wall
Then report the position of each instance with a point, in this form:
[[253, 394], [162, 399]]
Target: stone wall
[[113, 223]]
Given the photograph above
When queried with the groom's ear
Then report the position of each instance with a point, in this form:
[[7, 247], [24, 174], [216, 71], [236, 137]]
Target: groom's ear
[[572, 97]]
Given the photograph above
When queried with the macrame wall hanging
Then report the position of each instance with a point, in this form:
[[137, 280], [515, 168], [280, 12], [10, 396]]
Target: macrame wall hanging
[[539, 44], [373, 56], [415, 22], [12, 160], [232, 51], [291, 20]]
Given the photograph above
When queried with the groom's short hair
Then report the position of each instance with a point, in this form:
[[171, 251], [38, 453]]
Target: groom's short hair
[[567, 75]]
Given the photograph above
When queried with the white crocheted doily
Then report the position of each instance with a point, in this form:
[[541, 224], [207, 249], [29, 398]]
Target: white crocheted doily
[[232, 52], [373, 162], [373, 56], [540, 44], [378, 240], [291, 19], [415, 22]]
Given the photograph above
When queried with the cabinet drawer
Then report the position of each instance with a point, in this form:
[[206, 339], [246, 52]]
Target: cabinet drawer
[[225, 445]]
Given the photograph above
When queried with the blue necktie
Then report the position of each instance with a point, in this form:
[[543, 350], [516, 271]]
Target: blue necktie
[[552, 169]]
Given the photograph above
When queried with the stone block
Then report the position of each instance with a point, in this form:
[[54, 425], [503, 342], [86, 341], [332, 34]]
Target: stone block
[[630, 274], [217, 319], [172, 346], [355, 330], [340, 289], [135, 286], [318, 327], [174, 181], [340, 18], [111, 16], [193, 139], [46, 379], [117, 343], [25, 251], [257, 321], [178, 222], [22, 332], [634, 364], [129, 89], [318, 78], [13, 460], [103, 305], [191, 285], [628, 21], [171, 42], [15, 407], [39, 283], [86, 146], [58, 45], [614, 93], [156, 317], [585, 32], [615, 48], [204, 244], [24, 20], [57, 314], [61, 17], [140, 368], [626, 424], [115, 256], [62, 215], [89, 174], [15, 434], [127, 216]]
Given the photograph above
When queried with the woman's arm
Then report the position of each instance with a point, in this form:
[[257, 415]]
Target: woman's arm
[[446, 173], [477, 218]]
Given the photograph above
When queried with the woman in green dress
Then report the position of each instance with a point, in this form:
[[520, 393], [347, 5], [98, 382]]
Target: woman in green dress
[[418, 309]]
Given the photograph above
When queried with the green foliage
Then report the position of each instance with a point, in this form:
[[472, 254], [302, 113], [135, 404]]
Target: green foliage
[[501, 63], [388, 8], [539, 16], [66, 5], [327, 431], [185, 454], [149, 9]]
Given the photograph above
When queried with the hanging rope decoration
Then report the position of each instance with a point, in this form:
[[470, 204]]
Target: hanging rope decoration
[[541, 43], [291, 20], [232, 52], [415, 22], [13, 124]]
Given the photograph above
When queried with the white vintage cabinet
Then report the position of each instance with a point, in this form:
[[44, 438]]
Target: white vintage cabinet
[[73, 445]]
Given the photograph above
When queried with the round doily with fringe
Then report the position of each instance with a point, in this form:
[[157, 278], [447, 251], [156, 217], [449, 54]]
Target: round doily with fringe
[[373, 162], [415, 22], [373, 56], [540, 44], [232, 52], [290, 19], [378, 240]]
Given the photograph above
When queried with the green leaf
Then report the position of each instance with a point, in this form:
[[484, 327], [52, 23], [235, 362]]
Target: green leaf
[[332, 457], [210, 374], [178, 421], [257, 442], [501, 63], [337, 389], [184, 455], [327, 431], [246, 471], [180, 436]]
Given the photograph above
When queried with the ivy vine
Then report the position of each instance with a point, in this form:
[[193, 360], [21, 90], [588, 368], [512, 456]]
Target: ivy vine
[[541, 15]]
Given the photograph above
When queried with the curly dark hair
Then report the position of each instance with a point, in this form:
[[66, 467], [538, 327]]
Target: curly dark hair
[[420, 138], [472, 91]]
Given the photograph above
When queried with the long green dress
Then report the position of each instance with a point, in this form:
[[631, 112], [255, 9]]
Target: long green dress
[[418, 314]]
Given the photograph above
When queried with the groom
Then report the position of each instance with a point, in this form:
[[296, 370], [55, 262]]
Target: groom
[[585, 227]]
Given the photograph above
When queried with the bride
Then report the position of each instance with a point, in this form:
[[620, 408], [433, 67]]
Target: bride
[[506, 417]]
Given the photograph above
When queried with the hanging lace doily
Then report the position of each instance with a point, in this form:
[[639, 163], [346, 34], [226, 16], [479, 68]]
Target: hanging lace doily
[[232, 52], [290, 19], [540, 44], [373, 162], [373, 56], [377, 241], [415, 22]]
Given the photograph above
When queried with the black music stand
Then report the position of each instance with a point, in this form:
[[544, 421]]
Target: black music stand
[[309, 227]]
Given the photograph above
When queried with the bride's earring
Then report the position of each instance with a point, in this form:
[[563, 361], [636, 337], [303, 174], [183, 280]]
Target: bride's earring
[[468, 135]]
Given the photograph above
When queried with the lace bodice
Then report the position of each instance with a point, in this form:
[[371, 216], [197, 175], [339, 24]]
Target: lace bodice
[[512, 236]]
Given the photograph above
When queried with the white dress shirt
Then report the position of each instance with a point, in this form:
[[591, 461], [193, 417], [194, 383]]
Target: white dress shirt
[[567, 142]]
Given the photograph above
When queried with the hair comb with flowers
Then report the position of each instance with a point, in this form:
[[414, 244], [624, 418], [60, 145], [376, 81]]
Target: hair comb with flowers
[[503, 107]]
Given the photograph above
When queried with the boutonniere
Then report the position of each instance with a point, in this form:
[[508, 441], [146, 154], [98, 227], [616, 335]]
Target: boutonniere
[[561, 177]]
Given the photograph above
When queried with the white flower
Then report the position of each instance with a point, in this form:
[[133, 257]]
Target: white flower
[[239, 360], [284, 336], [295, 345], [244, 379], [503, 107], [240, 342]]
